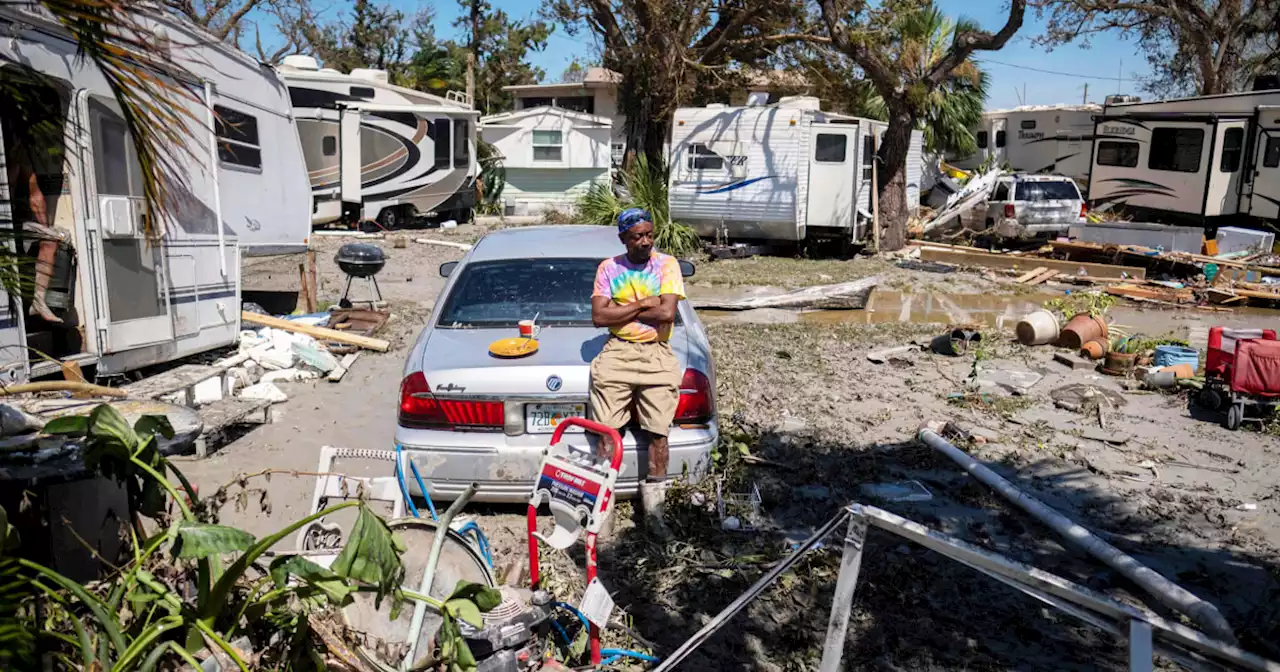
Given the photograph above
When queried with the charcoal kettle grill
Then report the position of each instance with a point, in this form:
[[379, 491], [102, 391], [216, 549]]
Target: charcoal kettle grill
[[360, 260]]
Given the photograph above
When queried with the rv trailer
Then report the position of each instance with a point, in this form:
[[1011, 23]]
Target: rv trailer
[[1035, 139], [1201, 161], [781, 172], [378, 151], [118, 298]]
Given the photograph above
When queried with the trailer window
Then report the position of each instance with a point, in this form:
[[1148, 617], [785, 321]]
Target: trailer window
[[702, 158], [461, 145], [238, 142], [1271, 156], [1000, 137], [548, 146], [868, 156], [982, 139], [1122, 154], [1232, 150], [329, 145], [1176, 149], [1047, 191], [441, 138], [830, 148], [362, 92], [1028, 124], [116, 162]]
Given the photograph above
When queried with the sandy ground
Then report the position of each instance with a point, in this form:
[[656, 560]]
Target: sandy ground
[[1172, 487]]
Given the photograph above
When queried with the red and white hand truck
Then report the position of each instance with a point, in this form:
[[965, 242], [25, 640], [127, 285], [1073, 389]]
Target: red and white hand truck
[[577, 486]]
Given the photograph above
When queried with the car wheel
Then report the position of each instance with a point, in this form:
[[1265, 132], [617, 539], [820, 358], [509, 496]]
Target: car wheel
[[1235, 415]]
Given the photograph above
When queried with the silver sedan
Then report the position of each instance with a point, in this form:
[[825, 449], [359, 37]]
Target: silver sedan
[[468, 416]]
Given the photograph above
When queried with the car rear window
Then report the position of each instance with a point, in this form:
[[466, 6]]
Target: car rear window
[[501, 293], [1047, 191]]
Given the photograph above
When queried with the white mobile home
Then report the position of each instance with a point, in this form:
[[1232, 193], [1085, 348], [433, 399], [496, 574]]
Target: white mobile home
[[1201, 161], [551, 156], [782, 172], [378, 151], [118, 298], [1035, 139]]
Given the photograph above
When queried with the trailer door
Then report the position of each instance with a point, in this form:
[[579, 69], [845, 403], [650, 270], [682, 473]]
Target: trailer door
[[833, 164], [1264, 198], [130, 294]]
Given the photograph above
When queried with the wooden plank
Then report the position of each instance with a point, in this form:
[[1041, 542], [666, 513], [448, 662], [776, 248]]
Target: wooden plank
[[1025, 277], [1156, 293], [173, 380], [320, 333], [1046, 275], [1091, 271], [343, 366]]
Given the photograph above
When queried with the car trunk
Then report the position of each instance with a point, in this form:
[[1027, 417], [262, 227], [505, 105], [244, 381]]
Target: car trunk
[[1047, 204]]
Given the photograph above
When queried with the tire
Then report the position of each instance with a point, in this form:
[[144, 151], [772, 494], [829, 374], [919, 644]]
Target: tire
[[390, 218], [1210, 399], [1235, 415]]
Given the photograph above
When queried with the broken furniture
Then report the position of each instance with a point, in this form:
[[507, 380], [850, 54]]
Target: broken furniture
[[360, 260], [578, 487], [215, 416]]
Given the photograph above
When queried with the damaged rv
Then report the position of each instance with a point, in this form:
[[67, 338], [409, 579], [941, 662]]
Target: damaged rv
[[785, 172], [72, 198], [1035, 139], [1201, 161], [379, 151]]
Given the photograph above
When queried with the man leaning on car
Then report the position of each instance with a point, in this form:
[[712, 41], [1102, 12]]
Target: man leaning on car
[[635, 296]]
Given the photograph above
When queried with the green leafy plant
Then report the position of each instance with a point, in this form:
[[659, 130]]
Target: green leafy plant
[[1094, 304], [197, 585], [493, 178], [645, 186]]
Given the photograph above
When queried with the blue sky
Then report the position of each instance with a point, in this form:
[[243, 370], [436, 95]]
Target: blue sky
[[1099, 66]]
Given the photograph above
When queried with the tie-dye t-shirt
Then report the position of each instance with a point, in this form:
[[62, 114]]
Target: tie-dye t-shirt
[[625, 283]]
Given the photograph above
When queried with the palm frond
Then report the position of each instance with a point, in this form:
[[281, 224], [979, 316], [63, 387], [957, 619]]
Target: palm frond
[[645, 186], [152, 89]]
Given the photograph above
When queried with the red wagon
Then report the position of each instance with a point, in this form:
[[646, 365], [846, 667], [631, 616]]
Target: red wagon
[[1242, 369]]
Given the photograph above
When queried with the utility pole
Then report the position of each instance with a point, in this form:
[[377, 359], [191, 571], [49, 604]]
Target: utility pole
[[1085, 101], [472, 49]]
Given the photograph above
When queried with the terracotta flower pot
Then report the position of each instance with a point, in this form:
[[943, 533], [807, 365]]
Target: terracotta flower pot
[[1081, 329], [1119, 363], [1094, 349]]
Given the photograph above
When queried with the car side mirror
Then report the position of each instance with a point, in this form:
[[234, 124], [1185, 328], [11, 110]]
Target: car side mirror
[[687, 269], [447, 268]]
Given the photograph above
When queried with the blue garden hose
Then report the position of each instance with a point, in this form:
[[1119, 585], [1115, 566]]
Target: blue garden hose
[[482, 542], [615, 654], [404, 489], [431, 506], [569, 607]]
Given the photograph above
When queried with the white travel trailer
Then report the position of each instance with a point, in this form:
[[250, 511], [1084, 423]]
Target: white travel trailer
[[379, 151], [782, 172], [1035, 139], [1203, 161], [124, 300]]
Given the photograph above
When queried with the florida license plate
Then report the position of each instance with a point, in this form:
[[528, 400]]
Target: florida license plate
[[544, 418]]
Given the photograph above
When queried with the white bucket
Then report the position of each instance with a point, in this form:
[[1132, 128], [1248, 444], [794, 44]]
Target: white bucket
[[1038, 328]]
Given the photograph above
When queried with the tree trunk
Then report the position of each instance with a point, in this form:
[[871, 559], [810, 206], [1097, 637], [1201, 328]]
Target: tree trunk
[[892, 174]]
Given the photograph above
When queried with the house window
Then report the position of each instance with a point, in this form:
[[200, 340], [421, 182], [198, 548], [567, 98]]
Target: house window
[[577, 103], [1176, 149], [868, 156], [1122, 154], [461, 145], [1271, 156], [362, 92], [830, 148], [441, 137], [548, 146], [702, 158], [982, 139], [237, 138], [329, 145], [1232, 150], [617, 152], [1028, 125], [1000, 137], [536, 101]]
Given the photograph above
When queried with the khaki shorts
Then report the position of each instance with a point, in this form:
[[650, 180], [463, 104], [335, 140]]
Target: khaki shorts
[[646, 374]]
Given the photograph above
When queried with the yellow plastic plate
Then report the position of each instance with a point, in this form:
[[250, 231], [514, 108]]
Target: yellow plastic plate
[[513, 347]]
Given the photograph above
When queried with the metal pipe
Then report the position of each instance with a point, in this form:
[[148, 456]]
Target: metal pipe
[[670, 662], [842, 601], [1171, 594], [429, 572], [213, 168]]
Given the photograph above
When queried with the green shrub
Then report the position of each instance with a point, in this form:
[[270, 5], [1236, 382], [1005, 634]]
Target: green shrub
[[645, 186]]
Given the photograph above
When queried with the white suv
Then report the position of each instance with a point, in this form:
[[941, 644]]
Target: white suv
[[1025, 206]]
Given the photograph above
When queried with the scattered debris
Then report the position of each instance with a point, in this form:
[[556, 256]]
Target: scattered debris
[[842, 296], [264, 391], [885, 355], [905, 491], [320, 333], [1073, 361]]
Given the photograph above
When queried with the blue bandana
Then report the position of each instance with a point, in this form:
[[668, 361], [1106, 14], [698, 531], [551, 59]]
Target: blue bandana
[[632, 216]]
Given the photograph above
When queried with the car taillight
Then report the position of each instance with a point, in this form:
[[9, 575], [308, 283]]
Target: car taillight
[[1009, 212], [1084, 209], [419, 409], [697, 403]]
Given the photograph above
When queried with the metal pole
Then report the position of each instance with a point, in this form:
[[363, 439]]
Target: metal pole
[[1140, 646], [670, 662], [846, 583]]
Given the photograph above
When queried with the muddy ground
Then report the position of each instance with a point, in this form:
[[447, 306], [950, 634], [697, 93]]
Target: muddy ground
[[1164, 481]]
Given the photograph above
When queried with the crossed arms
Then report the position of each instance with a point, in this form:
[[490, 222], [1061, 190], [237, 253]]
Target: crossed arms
[[653, 310]]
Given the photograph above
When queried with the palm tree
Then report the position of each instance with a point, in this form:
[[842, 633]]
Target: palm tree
[[955, 107]]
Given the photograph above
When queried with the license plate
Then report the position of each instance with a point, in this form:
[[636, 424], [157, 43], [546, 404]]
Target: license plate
[[544, 418]]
